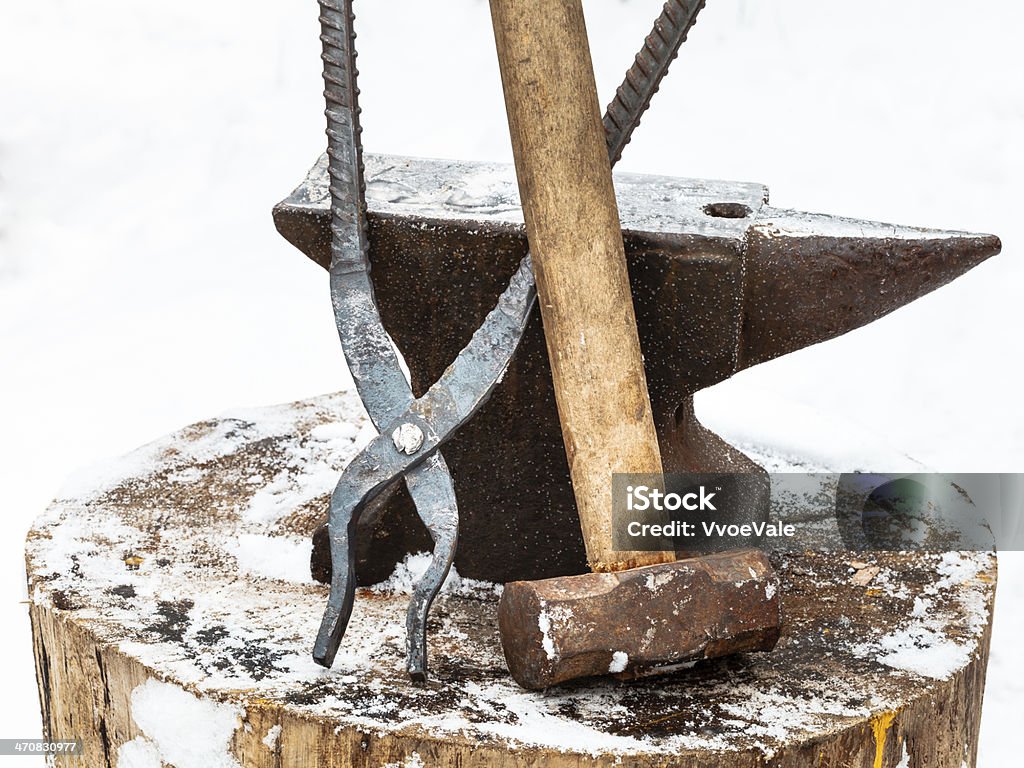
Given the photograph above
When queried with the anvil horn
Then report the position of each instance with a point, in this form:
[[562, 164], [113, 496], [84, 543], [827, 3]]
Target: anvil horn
[[812, 277]]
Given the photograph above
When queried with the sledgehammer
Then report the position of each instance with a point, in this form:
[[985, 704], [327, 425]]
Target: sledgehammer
[[639, 612]]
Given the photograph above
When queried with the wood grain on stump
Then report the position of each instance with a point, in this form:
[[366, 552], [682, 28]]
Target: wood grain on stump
[[173, 616]]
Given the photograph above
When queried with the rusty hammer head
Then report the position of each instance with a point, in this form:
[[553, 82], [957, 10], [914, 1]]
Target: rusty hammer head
[[641, 621]]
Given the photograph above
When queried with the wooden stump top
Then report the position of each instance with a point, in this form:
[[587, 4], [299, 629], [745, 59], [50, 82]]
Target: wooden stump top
[[173, 587]]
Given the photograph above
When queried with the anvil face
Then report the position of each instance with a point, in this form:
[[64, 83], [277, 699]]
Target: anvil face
[[721, 281]]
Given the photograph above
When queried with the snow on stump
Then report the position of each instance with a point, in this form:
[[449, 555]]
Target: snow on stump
[[173, 617]]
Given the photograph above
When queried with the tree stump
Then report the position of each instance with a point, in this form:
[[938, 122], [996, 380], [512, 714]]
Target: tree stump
[[173, 616]]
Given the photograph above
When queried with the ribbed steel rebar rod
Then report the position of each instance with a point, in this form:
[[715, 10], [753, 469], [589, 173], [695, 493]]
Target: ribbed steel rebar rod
[[642, 80]]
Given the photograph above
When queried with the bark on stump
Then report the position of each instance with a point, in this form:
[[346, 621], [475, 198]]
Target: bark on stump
[[173, 616]]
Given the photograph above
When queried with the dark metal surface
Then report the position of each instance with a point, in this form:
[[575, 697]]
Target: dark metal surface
[[371, 358], [641, 621], [713, 296]]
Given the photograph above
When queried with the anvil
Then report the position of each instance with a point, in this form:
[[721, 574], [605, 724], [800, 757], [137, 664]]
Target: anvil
[[721, 281]]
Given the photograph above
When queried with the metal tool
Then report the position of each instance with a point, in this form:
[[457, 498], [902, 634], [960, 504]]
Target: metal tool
[[640, 622], [412, 430], [371, 357]]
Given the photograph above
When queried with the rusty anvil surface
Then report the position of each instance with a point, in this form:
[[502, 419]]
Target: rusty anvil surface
[[721, 281]]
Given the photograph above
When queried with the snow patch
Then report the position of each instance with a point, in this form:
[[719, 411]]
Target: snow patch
[[310, 469], [535, 725], [923, 651], [273, 557], [140, 752], [412, 761], [905, 759], [921, 607], [922, 646], [544, 625], [186, 475], [956, 569], [186, 731], [771, 717], [333, 432], [270, 740], [410, 570]]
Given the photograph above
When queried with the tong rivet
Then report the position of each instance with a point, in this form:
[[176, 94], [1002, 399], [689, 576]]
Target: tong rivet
[[408, 438]]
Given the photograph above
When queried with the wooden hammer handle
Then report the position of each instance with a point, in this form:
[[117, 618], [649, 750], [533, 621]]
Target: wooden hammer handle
[[572, 222]]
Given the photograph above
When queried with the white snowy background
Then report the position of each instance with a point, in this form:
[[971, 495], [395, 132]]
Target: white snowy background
[[143, 287]]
